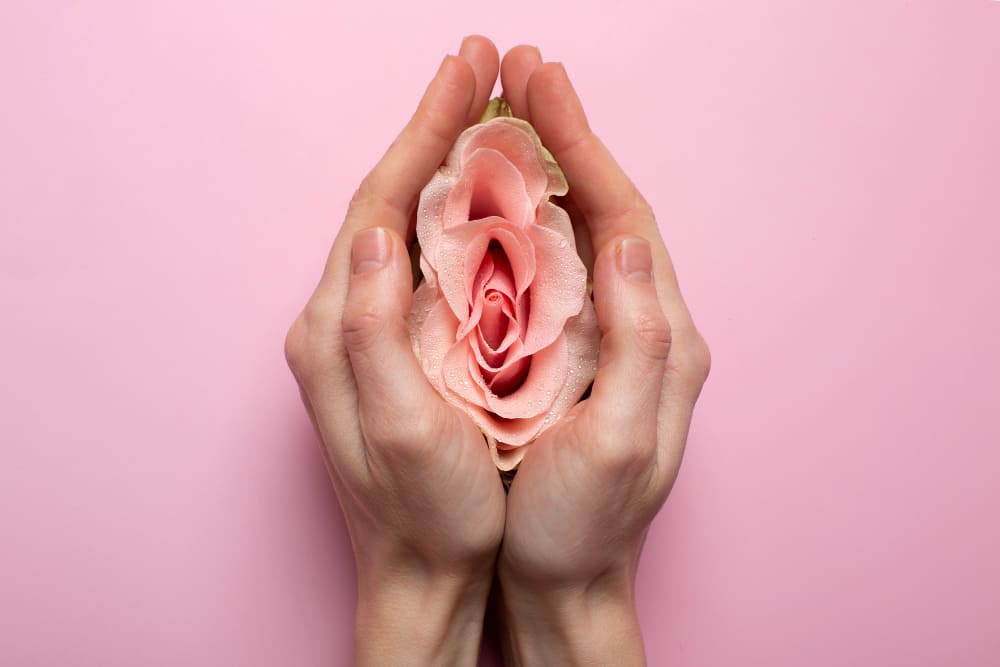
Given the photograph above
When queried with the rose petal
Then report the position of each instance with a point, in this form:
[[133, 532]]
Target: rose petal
[[488, 186], [462, 250], [515, 432], [501, 279], [509, 379], [539, 389], [437, 337], [458, 377], [510, 351], [583, 339], [493, 323], [506, 333], [558, 290], [504, 456], [424, 298], [430, 213], [520, 144]]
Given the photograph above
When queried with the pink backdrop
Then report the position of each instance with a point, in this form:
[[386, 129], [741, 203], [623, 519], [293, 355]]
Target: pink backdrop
[[827, 176]]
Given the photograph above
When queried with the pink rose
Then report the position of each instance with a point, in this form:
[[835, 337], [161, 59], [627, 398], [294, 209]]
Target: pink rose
[[502, 321]]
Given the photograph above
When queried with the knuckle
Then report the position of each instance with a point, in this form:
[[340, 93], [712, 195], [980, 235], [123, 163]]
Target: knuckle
[[296, 344], [643, 209], [692, 365], [701, 356], [653, 335], [622, 449], [361, 325], [401, 433], [361, 196], [626, 453], [311, 343], [637, 211]]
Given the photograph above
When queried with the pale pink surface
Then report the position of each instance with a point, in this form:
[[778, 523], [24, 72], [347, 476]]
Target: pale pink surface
[[827, 177]]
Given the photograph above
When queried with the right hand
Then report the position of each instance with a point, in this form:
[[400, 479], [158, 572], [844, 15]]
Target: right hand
[[585, 494]]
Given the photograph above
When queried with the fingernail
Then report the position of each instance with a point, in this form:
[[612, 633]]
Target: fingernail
[[370, 250], [635, 260]]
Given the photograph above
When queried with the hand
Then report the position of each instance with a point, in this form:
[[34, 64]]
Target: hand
[[423, 503], [581, 503]]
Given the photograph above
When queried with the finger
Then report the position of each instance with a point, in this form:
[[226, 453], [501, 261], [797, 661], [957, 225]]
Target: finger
[[635, 345], [389, 193], [607, 198], [516, 69], [482, 56], [393, 392]]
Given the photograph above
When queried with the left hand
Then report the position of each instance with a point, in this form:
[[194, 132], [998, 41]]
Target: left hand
[[422, 500]]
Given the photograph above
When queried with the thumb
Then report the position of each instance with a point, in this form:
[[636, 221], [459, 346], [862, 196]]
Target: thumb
[[634, 347], [392, 388]]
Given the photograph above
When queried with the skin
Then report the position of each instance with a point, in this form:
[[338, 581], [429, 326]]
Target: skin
[[429, 522]]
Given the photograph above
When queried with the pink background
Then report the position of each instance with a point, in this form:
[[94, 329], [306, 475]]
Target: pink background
[[827, 175]]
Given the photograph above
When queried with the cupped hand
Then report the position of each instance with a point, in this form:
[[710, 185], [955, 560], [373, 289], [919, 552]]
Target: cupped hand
[[423, 502], [585, 493]]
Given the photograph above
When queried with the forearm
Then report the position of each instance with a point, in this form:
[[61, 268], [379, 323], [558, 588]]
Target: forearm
[[419, 620], [581, 626]]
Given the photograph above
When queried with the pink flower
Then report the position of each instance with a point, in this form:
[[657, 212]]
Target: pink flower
[[502, 321]]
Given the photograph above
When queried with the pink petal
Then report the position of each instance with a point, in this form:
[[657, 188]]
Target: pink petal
[[503, 334], [425, 297], [484, 274], [437, 337], [520, 144], [494, 273], [514, 432], [488, 186], [559, 289], [493, 323], [509, 352], [583, 340], [430, 213], [504, 456], [509, 379], [502, 278], [554, 217], [463, 248], [457, 371], [539, 389]]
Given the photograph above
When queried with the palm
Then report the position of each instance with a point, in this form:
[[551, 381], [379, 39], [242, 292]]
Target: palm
[[562, 501], [460, 476]]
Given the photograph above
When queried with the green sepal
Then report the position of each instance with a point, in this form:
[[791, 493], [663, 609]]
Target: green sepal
[[497, 108]]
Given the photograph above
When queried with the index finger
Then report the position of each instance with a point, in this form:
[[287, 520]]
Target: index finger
[[389, 193], [454, 99], [609, 201], [607, 198]]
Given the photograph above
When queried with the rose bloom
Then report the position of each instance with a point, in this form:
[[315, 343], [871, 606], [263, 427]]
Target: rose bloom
[[502, 321]]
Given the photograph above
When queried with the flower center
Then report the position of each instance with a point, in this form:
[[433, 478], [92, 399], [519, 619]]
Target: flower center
[[494, 322], [495, 284]]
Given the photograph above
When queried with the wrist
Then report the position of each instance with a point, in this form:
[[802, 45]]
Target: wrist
[[586, 624], [417, 616]]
